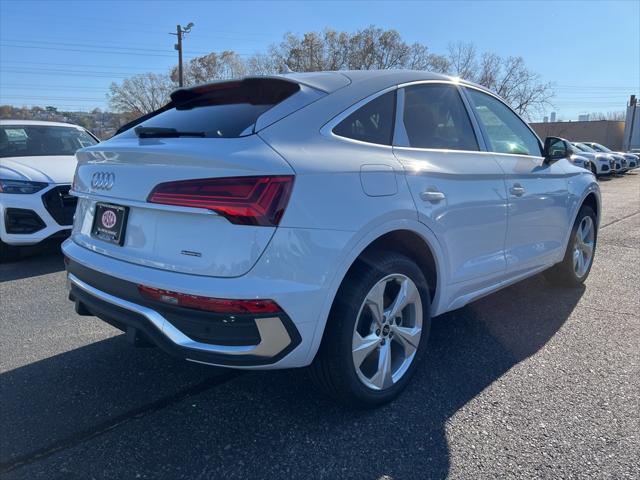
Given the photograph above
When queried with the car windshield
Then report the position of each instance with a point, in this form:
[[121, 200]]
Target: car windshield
[[40, 140], [584, 148], [601, 148]]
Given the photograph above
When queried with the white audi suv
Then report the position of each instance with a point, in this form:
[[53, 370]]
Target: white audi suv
[[37, 163], [632, 159], [600, 163], [321, 220]]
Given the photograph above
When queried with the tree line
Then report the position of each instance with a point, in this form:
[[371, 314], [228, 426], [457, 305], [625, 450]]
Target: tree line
[[369, 48]]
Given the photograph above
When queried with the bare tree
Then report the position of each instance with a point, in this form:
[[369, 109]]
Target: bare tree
[[507, 76], [462, 59], [512, 80], [261, 64], [214, 66], [368, 48], [618, 116], [140, 94]]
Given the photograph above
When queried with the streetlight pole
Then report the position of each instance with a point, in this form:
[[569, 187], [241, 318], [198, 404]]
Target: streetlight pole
[[180, 33]]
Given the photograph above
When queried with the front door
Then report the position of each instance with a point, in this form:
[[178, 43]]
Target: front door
[[537, 191]]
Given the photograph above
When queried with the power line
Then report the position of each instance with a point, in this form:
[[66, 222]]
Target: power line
[[26, 86], [46, 97], [55, 64], [138, 50]]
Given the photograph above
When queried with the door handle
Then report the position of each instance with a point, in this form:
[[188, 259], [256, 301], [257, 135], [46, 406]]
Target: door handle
[[432, 196], [517, 190]]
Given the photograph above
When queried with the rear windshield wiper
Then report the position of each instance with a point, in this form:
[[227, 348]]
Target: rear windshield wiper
[[162, 132]]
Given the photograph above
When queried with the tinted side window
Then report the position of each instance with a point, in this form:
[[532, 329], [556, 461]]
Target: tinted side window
[[435, 117], [506, 132], [372, 122]]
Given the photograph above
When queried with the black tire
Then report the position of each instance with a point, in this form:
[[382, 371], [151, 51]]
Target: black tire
[[563, 274], [333, 369]]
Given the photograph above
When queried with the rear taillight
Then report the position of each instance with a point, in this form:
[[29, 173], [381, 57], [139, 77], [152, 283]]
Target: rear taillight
[[216, 305], [242, 200]]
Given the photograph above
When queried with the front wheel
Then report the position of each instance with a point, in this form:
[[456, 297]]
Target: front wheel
[[376, 333], [576, 264]]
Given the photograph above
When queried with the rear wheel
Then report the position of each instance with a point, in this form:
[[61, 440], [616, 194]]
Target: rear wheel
[[576, 265], [376, 333]]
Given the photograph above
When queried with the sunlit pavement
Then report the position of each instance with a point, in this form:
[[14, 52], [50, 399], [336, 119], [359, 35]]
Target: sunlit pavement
[[529, 382]]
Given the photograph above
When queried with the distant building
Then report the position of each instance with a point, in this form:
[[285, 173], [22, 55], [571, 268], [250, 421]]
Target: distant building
[[545, 119], [632, 125], [583, 118], [553, 117], [607, 132]]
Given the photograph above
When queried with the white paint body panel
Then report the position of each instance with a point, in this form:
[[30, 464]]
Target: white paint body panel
[[158, 235], [346, 195]]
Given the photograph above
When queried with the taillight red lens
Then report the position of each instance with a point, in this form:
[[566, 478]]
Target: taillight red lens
[[217, 305], [242, 200]]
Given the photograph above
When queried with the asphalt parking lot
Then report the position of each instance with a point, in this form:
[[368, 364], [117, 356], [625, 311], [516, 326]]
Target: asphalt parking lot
[[529, 382]]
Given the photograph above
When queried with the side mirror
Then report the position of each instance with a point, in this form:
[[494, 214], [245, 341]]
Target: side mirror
[[556, 148]]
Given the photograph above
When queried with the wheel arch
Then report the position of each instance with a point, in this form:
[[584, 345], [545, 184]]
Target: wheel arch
[[407, 237], [591, 200]]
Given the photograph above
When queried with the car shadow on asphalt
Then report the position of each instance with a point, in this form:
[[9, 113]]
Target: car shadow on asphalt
[[189, 419], [32, 261]]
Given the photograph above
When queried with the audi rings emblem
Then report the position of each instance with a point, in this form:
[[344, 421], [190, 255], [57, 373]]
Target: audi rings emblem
[[102, 180]]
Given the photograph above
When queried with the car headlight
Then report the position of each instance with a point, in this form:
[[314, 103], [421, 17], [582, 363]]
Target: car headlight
[[20, 186]]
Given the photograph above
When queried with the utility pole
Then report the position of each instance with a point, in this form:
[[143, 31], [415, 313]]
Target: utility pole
[[180, 33]]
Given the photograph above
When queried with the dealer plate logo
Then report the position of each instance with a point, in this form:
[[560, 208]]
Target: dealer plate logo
[[109, 219]]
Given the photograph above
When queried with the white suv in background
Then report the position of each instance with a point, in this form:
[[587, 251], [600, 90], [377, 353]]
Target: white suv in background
[[37, 163], [632, 159], [321, 219], [600, 163]]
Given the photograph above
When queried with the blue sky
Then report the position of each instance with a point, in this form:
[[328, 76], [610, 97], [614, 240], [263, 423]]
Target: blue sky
[[66, 53]]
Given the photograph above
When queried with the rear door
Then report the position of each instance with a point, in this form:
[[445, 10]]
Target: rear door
[[458, 189], [537, 191]]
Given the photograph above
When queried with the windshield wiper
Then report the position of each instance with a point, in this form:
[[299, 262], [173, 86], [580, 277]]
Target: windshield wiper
[[162, 132]]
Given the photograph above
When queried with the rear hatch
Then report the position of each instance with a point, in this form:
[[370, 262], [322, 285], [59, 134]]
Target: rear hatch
[[190, 189]]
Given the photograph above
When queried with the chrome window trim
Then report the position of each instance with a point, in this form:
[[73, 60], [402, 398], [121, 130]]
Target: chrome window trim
[[273, 335]]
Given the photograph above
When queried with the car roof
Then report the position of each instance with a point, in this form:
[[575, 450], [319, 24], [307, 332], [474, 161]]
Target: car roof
[[37, 122], [329, 81]]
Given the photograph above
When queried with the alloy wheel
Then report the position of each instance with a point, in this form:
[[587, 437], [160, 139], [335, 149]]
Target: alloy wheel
[[387, 332], [583, 246]]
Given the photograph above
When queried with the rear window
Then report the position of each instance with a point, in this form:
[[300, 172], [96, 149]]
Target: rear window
[[223, 110], [372, 122], [40, 140]]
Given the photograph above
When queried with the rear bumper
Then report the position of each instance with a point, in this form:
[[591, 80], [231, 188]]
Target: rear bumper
[[300, 270], [218, 339]]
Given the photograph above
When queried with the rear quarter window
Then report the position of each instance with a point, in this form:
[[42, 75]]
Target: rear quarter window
[[372, 123]]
